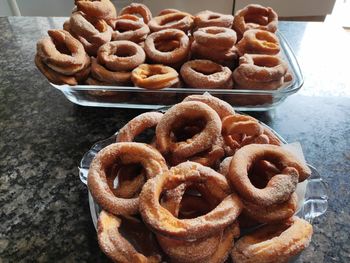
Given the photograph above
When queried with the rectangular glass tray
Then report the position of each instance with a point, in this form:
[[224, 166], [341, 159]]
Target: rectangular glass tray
[[139, 98]]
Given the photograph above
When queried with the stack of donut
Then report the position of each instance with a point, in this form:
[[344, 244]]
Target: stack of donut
[[204, 174], [181, 50]]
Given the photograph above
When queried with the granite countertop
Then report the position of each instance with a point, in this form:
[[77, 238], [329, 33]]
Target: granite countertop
[[44, 211]]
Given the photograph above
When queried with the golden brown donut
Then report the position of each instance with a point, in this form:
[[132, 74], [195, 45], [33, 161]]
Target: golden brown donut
[[175, 20], [280, 187], [188, 111], [62, 52], [260, 72], [221, 107], [154, 76], [102, 74], [138, 9], [257, 41], [163, 222], [179, 54], [205, 74], [208, 18], [126, 28], [121, 55], [126, 153], [239, 130], [102, 9], [252, 17], [91, 32], [219, 37], [137, 125], [117, 247], [58, 78], [273, 243]]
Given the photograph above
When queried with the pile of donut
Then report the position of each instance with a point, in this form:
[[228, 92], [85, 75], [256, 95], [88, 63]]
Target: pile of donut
[[173, 49], [205, 177]]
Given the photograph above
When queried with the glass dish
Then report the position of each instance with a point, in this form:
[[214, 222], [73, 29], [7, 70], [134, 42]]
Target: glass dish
[[315, 201], [138, 98]]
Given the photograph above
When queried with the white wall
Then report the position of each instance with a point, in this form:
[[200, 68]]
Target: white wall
[[5, 9], [287, 8]]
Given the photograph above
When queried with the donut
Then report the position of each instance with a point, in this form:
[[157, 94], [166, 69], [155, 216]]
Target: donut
[[62, 52], [58, 78], [154, 76], [173, 20], [179, 54], [137, 125], [121, 55], [239, 130], [91, 32], [271, 214], [126, 153], [220, 37], [257, 41], [102, 9], [255, 16], [102, 74], [273, 243], [208, 18], [280, 187], [205, 74], [221, 107], [163, 222], [129, 27], [113, 243], [187, 112], [260, 72], [137, 9]]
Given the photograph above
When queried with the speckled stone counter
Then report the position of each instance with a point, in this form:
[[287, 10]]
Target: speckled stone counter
[[44, 208]]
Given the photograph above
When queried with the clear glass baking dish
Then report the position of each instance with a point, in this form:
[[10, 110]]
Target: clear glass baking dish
[[138, 98], [313, 192]]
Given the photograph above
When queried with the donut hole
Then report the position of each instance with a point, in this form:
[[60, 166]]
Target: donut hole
[[62, 48], [260, 173], [214, 31], [135, 232], [171, 20], [193, 203], [207, 69], [264, 36], [269, 62], [147, 136], [211, 17], [187, 129], [167, 45], [256, 19], [124, 52], [121, 179]]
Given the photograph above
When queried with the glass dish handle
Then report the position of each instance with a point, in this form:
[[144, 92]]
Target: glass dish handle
[[316, 197]]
